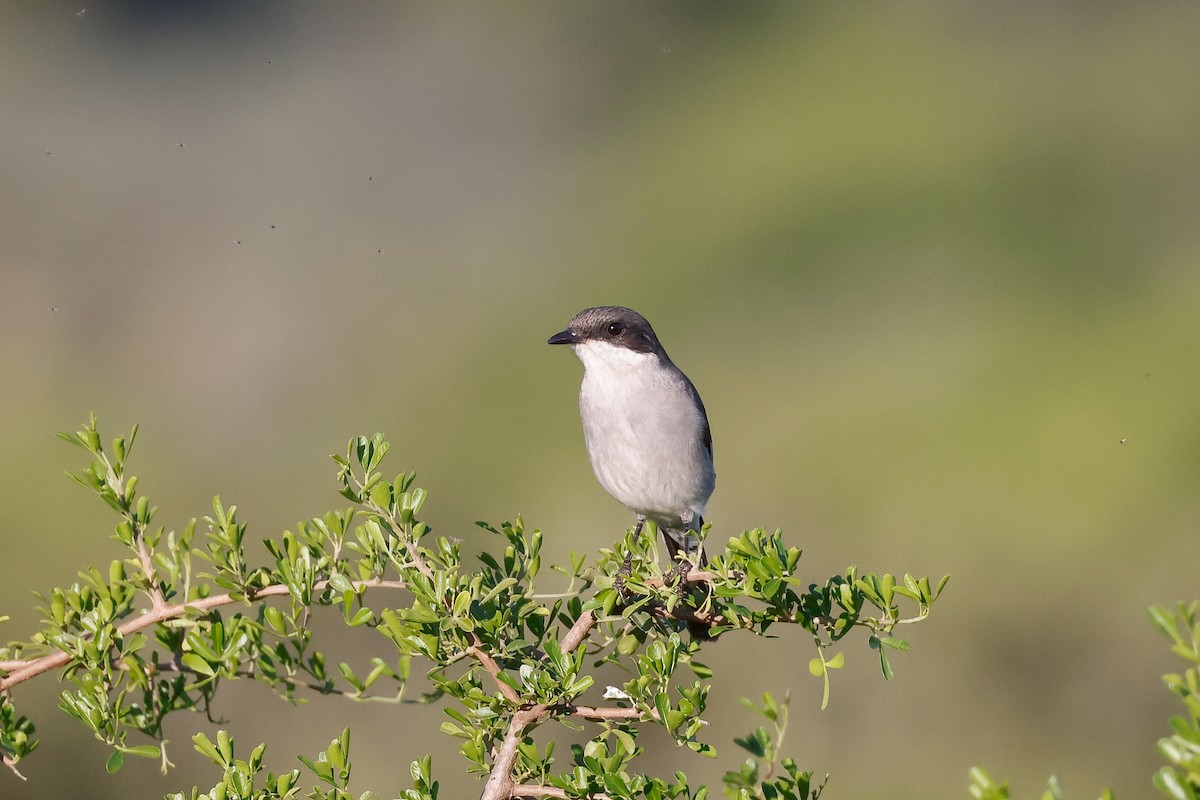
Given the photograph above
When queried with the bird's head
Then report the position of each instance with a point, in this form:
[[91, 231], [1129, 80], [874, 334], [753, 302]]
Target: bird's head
[[610, 327]]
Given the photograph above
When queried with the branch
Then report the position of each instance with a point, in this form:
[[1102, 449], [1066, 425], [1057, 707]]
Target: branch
[[156, 595], [12, 765], [489, 664], [500, 784], [604, 712], [295, 683], [410, 544], [578, 632], [533, 790], [693, 576], [34, 667]]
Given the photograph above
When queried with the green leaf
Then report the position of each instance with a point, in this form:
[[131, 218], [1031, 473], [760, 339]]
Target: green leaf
[[340, 583], [205, 747], [198, 664], [1164, 620], [115, 760], [144, 751]]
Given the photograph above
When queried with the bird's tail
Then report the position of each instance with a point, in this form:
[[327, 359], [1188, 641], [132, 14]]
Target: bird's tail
[[686, 541]]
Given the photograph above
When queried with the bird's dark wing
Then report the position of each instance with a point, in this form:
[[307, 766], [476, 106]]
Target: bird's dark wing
[[706, 434]]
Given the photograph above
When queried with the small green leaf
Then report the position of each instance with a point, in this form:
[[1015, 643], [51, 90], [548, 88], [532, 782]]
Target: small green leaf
[[144, 750], [361, 617], [205, 747], [197, 664]]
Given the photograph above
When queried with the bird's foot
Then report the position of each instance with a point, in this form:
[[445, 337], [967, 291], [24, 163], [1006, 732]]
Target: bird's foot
[[678, 576]]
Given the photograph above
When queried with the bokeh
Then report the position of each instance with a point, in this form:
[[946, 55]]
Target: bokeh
[[934, 267]]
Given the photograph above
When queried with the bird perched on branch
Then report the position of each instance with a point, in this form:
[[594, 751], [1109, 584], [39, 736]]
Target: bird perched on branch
[[645, 427]]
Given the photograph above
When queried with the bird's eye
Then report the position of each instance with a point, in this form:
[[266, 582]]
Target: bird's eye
[[615, 329]]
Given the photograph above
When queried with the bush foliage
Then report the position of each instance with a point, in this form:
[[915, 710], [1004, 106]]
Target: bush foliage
[[183, 612]]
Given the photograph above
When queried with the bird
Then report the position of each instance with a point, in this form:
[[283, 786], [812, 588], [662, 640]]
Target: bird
[[644, 425]]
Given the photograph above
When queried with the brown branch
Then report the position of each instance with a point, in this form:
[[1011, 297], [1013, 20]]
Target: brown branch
[[604, 712], [500, 783], [493, 669], [693, 576], [685, 614], [410, 544], [414, 551], [578, 632], [156, 595], [36, 666], [534, 790]]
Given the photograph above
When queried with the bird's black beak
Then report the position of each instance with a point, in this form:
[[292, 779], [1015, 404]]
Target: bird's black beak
[[563, 337]]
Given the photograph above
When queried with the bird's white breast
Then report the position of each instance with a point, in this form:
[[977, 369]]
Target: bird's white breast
[[644, 432]]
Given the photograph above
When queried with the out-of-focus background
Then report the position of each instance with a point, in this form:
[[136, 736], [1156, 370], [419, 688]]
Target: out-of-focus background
[[934, 269]]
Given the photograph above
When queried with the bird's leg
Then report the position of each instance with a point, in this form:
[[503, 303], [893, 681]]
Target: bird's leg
[[627, 564], [680, 552], [678, 575], [637, 530], [683, 590]]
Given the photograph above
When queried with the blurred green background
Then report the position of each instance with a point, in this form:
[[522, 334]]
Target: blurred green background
[[934, 268]]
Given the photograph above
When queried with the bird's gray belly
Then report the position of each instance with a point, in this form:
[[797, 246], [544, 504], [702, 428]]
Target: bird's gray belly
[[651, 459]]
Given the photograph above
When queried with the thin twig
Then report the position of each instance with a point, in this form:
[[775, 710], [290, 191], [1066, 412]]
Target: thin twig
[[156, 595], [493, 669], [117, 484], [295, 683], [604, 712], [410, 544], [36, 666], [534, 790], [692, 576], [414, 551], [11, 763]]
